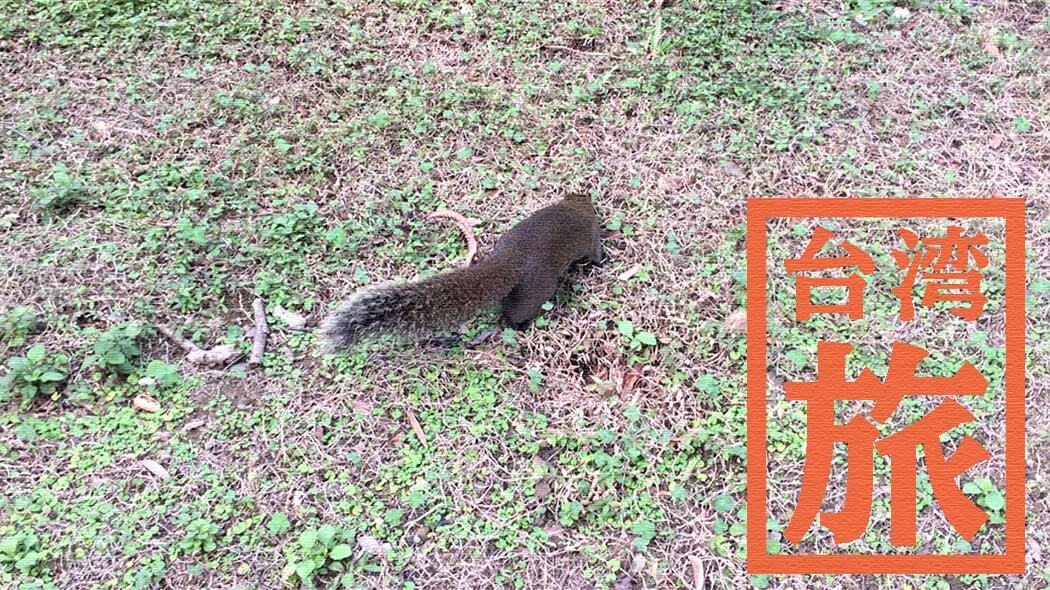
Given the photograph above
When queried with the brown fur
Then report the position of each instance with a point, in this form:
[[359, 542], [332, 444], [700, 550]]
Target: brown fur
[[521, 274]]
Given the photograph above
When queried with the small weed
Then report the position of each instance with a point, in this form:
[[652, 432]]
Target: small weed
[[160, 374], [65, 192], [116, 350], [638, 342], [17, 324], [320, 554], [36, 373], [23, 552], [200, 537], [988, 496]]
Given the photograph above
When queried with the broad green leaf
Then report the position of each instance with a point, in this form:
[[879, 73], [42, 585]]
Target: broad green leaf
[[25, 432], [707, 384], [304, 569], [724, 503], [115, 357], [52, 376], [28, 560], [36, 353], [325, 534], [994, 500], [278, 524], [308, 539], [8, 545], [341, 551], [626, 327]]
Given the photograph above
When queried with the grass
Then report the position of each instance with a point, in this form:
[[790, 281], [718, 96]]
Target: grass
[[168, 162]]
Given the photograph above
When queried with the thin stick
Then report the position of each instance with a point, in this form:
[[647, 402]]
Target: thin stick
[[466, 226], [29, 139], [197, 355], [581, 51], [698, 572], [262, 330], [174, 336], [416, 427]]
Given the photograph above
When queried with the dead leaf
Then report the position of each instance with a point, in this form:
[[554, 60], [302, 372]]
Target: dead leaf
[[599, 373], [155, 468], [630, 379], [733, 169], [146, 403], [637, 563], [736, 321], [624, 582], [102, 128], [287, 572], [908, 26], [554, 529], [630, 272], [193, 425], [670, 183], [995, 141], [1035, 552], [362, 406], [543, 489], [992, 49]]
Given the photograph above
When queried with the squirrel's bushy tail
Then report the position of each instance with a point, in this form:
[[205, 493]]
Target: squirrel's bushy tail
[[431, 303]]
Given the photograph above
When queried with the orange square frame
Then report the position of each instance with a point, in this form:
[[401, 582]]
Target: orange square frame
[[1012, 561]]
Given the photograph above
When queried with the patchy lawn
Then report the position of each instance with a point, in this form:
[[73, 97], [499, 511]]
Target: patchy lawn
[[168, 162]]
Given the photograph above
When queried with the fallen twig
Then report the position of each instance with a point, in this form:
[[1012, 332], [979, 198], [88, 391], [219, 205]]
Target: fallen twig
[[698, 572], [193, 425], [581, 51], [197, 355], [416, 427], [262, 330], [466, 226], [177, 338], [29, 139], [627, 274]]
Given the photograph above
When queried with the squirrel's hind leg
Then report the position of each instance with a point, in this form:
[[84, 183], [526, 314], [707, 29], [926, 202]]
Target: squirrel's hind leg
[[524, 302]]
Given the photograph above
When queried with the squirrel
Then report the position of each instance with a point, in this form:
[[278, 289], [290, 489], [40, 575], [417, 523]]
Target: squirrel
[[520, 274]]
